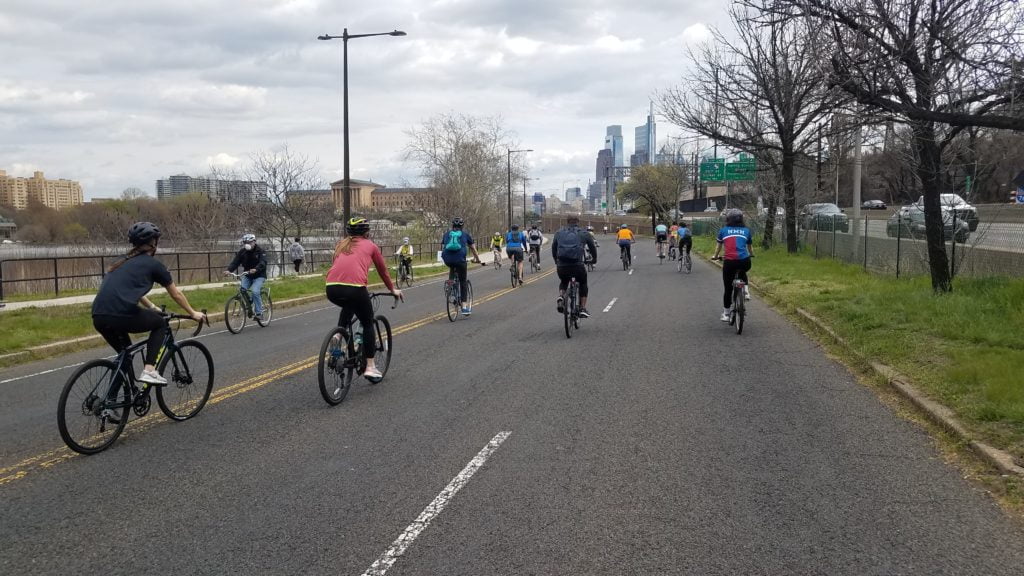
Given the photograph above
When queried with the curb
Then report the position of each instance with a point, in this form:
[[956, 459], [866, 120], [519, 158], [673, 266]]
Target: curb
[[936, 412]]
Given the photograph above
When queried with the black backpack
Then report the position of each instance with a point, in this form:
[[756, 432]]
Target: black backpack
[[570, 245]]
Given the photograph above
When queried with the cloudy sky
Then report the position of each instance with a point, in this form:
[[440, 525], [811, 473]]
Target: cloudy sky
[[119, 93]]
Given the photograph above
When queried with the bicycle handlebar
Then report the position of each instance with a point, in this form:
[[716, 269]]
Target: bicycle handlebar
[[376, 294], [171, 316]]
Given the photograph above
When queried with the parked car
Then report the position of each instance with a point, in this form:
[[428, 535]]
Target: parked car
[[964, 211], [911, 218], [873, 205], [711, 209], [823, 216]]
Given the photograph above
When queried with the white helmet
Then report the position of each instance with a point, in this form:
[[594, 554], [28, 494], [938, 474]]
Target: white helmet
[[405, 240], [247, 238]]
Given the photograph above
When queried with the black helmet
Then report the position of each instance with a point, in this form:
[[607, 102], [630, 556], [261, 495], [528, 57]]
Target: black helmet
[[142, 233], [457, 222], [734, 217], [357, 226], [515, 226]]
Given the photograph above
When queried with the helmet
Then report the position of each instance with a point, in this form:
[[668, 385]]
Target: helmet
[[624, 226], [590, 228], [142, 232], [534, 225], [497, 233], [458, 222], [734, 217], [515, 226], [357, 226], [405, 240], [247, 238]]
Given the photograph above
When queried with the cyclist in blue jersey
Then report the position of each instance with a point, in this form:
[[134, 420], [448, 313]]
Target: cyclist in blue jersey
[[515, 246], [660, 237], [685, 238], [737, 241]]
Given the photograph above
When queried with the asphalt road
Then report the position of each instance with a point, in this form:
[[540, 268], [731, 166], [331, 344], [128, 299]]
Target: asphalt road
[[655, 441]]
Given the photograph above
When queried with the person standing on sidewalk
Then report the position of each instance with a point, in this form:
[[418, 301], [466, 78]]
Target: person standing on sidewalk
[[297, 253]]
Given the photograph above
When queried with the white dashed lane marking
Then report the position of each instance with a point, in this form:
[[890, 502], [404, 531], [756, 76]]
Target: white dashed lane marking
[[610, 304]]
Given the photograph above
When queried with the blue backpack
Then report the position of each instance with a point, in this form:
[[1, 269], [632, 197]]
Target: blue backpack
[[454, 241]]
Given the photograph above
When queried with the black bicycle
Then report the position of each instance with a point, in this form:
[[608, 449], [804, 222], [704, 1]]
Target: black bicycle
[[453, 296], [341, 354], [738, 311], [684, 263], [405, 274], [239, 308], [588, 259], [571, 307], [627, 258], [534, 260], [93, 407], [516, 276], [671, 250]]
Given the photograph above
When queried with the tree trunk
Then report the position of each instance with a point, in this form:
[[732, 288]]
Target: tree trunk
[[928, 170], [769, 225], [789, 198]]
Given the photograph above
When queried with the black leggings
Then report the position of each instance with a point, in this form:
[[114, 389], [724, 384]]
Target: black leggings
[[355, 300], [730, 268], [567, 272], [116, 329], [685, 241], [459, 270]]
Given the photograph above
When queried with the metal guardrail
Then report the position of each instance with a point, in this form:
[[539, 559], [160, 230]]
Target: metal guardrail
[[51, 275]]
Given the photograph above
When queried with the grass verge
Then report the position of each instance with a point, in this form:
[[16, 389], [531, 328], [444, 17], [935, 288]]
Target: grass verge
[[29, 327], [963, 349]]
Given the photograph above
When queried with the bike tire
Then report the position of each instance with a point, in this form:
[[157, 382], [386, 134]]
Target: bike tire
[[679, 265], [383, 343], [235, 314], [334, 380], [741, 312], [567, 311], [268, 308], [189, 382], [689, 263], [89, 432], [451, 302]]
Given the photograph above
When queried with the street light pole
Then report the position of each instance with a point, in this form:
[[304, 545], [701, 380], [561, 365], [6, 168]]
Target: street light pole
[[509, 158], [345, 37]]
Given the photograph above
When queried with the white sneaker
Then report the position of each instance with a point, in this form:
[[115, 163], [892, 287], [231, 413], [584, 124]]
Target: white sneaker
[[373, 375], [152, 378], [726, 315], [746, 293]]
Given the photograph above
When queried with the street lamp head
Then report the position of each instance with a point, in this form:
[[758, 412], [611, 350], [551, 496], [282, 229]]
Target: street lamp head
[[323, 37], [397, 33]]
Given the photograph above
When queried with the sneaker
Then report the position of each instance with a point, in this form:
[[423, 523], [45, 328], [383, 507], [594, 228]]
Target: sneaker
[[726, 316], [373, 375], [561, 305], [746, 293], [584, 313], [465, 311], [153, 378]]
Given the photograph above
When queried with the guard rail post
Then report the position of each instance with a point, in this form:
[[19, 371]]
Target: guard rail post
[[209, 268], [1, 280], [56, 279], [865, 242]]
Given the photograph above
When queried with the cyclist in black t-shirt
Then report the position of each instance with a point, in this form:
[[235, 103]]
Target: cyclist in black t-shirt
[[115, 310]]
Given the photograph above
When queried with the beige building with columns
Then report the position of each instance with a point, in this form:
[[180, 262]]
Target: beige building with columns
[[16, 191]]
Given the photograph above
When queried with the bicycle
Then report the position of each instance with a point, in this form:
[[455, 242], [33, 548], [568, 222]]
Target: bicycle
[[661, 252], [534, 261], [404, 273], [497, 258], [588, 259], [341, 354], [571, 308], [453, 297], [239, 308], [101, 391], [627, 258], [671, 251], [738, 311], [684, 262], [517, 280]]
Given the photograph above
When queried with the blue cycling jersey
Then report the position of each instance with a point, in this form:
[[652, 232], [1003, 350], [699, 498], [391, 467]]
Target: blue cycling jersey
[[515, 240]]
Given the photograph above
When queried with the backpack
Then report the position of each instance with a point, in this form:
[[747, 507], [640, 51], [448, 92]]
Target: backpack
[[535, 235], [454, 241], [570, 245]]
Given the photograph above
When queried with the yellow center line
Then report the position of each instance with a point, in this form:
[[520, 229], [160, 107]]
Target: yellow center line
[[55, 456]]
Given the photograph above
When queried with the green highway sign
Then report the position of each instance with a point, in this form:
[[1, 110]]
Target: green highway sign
[[712, 170], [741, 170]]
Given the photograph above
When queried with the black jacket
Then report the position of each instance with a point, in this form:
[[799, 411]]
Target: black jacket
[[249, 259]]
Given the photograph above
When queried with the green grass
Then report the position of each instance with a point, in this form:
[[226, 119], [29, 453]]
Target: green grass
[[964, 349], [36, 326]]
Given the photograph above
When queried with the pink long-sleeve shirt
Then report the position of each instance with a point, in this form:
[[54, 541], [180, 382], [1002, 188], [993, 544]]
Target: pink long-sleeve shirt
[[353, 269]]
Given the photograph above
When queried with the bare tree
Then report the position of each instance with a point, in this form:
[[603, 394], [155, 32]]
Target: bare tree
[[654, 189], [940, 66], [462, 159], [763, 94]]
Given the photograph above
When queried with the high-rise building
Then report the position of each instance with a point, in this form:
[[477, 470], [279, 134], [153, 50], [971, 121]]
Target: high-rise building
[[232, 191], [572, 193], [55, 194], [613, 142]]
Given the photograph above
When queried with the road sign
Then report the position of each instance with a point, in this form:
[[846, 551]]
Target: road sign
[[742, 170], [604, 205], [1020, 195], [712, 170]]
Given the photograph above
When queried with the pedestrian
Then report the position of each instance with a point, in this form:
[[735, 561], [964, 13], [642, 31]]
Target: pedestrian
[[297, 254]]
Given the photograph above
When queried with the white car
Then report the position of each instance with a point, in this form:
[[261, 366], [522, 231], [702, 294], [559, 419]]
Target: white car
[[964, 211]]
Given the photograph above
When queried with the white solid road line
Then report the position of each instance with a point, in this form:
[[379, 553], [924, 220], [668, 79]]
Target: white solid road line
[[398, 547], [610, 304]]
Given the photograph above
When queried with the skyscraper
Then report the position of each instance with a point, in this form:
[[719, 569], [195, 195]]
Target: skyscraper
[[613, 142], [646, 137]]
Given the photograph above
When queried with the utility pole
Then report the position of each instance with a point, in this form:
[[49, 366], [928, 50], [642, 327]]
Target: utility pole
[[858, 164]]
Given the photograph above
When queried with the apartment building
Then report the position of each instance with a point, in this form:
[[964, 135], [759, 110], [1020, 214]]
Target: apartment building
[[56, 194]]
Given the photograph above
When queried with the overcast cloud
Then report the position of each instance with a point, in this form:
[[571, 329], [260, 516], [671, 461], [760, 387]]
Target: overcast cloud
[[120, 93]]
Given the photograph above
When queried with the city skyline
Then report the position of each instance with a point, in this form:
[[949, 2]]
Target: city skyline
[[120, 111]]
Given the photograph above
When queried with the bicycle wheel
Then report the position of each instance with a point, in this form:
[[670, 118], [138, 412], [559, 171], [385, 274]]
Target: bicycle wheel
[[689, 263], [410, 276], [741, 310], [235, 314], [567, 307], [335, 370], [512, 274], [679, 264], [268, 307], [85, 425], [451, 301], [469, 295], [383, 344], [189, 373]]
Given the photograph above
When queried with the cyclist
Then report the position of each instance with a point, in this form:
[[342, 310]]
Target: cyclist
[[685, 238], [536, 240], [115, 310], [253, 261], [405, 254], [496, 246], [625, 240], [738, 243], [567, 250], [346, 285], [660, 238], [673, 235], [515, 244], [454, 245], [591, 258]]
